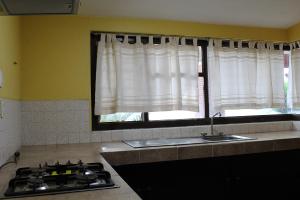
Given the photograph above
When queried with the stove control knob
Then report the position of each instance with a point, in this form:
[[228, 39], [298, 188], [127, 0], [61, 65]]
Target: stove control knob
[[46, 164], [40, 166], [80, 162], [57, 163], [69, 162]]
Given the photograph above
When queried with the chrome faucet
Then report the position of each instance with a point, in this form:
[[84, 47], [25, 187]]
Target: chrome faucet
[[212, 122]]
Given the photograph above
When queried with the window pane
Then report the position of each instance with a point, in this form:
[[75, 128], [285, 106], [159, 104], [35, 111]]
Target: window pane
[[287, 105], [121, 117], [201, 97], [181, 114], [286, 70], [267, 111], [200, 67], [173, 115]]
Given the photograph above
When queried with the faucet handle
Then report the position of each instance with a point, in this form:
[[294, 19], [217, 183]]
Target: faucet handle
[[203, 134]]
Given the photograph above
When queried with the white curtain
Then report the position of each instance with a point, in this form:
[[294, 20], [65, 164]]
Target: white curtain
[[146, 77], [245, 77], [294, 80]]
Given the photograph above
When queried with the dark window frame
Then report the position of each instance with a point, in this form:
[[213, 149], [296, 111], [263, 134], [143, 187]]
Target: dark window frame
[[97, 126]]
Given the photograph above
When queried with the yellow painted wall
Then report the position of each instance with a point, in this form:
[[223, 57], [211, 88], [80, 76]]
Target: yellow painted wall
[[56, 49], [294, 33], [10, 53]]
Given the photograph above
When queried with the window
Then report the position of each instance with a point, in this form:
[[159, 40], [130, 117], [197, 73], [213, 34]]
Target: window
[[126, 120], [268, 111], [164, 115], [122, 117]]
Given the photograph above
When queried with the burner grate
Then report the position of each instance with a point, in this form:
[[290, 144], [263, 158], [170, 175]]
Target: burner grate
[[58, 178]]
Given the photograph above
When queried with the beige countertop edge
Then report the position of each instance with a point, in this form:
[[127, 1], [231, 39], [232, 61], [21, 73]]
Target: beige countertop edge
[[31, 156], [117, 153]]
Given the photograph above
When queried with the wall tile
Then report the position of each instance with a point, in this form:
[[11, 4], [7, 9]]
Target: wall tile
[[118, 135], [85, 137], [296, 125], [72, 120], [146, 133], [105, 136], [10, 129], [157, 133], [62, 138], [185, 131], [51, 138], [95, 137]]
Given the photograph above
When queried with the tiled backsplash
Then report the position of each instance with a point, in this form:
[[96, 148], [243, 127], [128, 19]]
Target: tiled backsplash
[[63, 122], [10, 129], [55, 122]]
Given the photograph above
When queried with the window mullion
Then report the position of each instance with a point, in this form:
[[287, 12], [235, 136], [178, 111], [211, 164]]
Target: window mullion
[[145, 117]]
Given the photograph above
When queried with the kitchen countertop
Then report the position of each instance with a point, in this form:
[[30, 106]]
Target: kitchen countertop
[[34, 155], [122, 154], [119, 153]]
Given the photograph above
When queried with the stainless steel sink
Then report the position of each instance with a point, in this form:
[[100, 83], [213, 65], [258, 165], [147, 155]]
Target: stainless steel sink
[[185, 141], [163, 142], [224, 138]]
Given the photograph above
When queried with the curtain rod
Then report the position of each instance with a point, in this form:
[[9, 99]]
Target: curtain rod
[[187, 37], [148, 34]]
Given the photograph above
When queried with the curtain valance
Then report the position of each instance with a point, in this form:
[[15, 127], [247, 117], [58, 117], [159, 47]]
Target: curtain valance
[[146, 77]]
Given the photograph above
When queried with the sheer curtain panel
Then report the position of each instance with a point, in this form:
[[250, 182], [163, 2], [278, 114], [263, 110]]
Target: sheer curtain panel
[[245, 77], [294, 80], [146, 77]]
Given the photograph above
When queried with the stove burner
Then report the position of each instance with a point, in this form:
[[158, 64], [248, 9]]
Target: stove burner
[[98, 182], [87, 179], [37, 184], [88, 172], [43, 187], [58, 178]]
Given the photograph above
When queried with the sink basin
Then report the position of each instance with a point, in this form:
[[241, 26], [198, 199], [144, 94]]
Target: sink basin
[[164, 142], [225, 138], [185, 141]]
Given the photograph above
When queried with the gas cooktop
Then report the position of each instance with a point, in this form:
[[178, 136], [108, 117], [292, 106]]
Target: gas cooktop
[[58, 178]]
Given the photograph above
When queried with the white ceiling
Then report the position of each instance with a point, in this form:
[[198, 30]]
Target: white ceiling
[[264, 13]]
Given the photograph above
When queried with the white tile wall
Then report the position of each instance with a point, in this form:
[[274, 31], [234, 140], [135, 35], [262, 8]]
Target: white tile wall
[[10, 129], [63, 122], [56, 122], [296, 125]]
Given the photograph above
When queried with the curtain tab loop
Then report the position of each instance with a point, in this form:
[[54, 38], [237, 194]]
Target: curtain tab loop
[[211, 43], [163, 40], [182, 41], [151, 40], [174, 40], [251, 44], [261, 45], [125, 39], [138, 39], [281, 46], [195, 42], [270, 46], [218, 43], [231, 44], [109, 38], [240, 44], [102, 37], [171, 40], [114, 37]]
